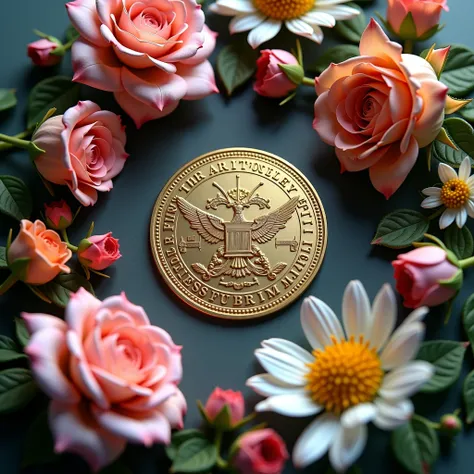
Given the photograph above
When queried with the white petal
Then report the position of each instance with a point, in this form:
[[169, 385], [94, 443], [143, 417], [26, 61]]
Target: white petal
[[415, 316], [431, 202], [384, 317], [320, 18], [315, 440], [465, 169], [245, 22], [405, 381], [319, 323], [264, 32], [299, 27], [347, 447], [284, 367], [392, 415], [221, 10], [461, 218], [238, 6], [268, 386], [470, 208], [446, 172], [470, 182], [447, 218], [289, 348], [339, 12], [432, 191], [294, 405], [356, 313], [358, 415]]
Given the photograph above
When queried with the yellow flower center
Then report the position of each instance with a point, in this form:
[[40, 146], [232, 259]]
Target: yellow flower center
[[455, 193], [344, 374], [284, 9]]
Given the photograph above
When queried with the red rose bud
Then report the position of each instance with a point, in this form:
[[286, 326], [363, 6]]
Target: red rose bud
[[58, 215], [260, 452], [224, 408], [450, 425], [40, 53], [99, 251]]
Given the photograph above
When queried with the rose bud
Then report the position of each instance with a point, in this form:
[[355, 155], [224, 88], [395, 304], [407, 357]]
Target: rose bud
[[450, 425], [422, 277], [98, 251], [415, 20], [40, 53], [58, 215], [259, 452], [224, 408], [37, 255], [275, 67]]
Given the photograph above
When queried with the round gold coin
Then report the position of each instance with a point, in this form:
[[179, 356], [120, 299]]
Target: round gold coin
[[238, 233]]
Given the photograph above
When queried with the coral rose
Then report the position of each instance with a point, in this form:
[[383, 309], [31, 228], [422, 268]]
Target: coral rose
[[111, 375], [84, 150], [37, 255], [150, 54], [99, 251], [58, 215], [219, 399], [40, 53], [379, 109]]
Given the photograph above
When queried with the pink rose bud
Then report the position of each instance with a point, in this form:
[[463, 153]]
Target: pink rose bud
[[420, 275], [218, 401], [58, 215], [415, 19], [260, 452], [99, 251], [40, 53], [272, 81], [451, 425]]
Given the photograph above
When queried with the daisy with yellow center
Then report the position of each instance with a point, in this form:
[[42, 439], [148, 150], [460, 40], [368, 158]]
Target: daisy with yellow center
[[456, 194], [264, 18], [358, 372]]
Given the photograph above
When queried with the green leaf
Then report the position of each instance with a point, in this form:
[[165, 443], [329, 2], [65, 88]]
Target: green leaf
[[179, 438], [468, 319], [447, 358], [458, 73], [22, 333], [54, 92], [401, 228], [468, 395], [352, 29], [71, 34], [462, 135], [15, 198], [416, 445], [294, 72], [59, 290], [9, 350], [460, 241], [195, 455], [7, 99], [17, 389], [236, 64], [3, 257], [467, 112], [336, 54]]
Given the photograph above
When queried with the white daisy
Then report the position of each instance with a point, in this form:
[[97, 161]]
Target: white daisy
[[456, 195], [264, 18], [356, 374]]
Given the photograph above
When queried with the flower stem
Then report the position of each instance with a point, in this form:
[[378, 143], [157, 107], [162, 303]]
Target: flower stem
[[67, 46], [74, 248], [435, 214], [466, 263], [408, 48], [8, 146], [15, 141], [71, 247], [221, 463], [307, 81], [8, 283]]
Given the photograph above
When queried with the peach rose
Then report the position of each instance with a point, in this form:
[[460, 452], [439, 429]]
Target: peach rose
[[46, 254], [111, 375], [84, 150], [149, 53], [379, 109]]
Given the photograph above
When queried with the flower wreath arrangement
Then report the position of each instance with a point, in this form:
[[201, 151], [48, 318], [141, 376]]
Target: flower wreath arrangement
[[111, 376]]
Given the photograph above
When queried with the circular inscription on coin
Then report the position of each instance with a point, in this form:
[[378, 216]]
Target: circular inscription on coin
[[238, 233]]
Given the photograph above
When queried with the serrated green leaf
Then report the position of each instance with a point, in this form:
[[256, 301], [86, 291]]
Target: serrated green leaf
[[195, 455], [21, 332], [179, 438], [59, 290], [336, 54], [54, 92], [401, 228], [447, 358], [468, 319], [458, 73], [468, 395], [17, 389], [3, 257], [467, 112], [15, 198], [236, 64], [460, 241], [7, 99], [9, 350], [416, 445], [352, 29]]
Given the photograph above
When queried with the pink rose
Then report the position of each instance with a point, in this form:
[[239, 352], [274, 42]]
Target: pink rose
[[40, 53], [418, 274], [379, 109], [58, 215], [99, 251], [426, 15], [84, 150], [271, 80], [219, 399], [41, 253], [150, 54], [112, 377], [260, 452]]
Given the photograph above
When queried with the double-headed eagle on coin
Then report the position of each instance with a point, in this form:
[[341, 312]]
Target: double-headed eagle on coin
[[239, 256]]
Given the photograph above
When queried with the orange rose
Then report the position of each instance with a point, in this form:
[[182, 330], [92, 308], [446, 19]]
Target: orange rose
[[37, 255]]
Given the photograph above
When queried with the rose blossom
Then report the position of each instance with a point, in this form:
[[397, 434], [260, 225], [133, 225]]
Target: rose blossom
[[112, 377], [58, 214], [260, 452], [46, 253], [84, 150], [150, 54], [40, 53], [99, 251], [418, 274], [219, 399], [379, 109], [271, 80]]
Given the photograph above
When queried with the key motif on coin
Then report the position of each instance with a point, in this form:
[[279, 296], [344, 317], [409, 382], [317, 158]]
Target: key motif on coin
[[189, 243]]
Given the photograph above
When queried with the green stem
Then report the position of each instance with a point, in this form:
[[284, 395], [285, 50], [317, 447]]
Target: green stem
[[8, 146], [65, 236], [221, 463], [74, 248], [408, 48], [8, 283], [67, 46], [435, 214], [466, 263], [307, 81], [15, 141]]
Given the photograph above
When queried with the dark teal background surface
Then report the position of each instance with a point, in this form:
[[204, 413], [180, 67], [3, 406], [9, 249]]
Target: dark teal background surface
[[216, 353]]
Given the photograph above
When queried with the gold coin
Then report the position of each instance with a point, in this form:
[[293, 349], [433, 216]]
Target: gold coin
[[238, 233]]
